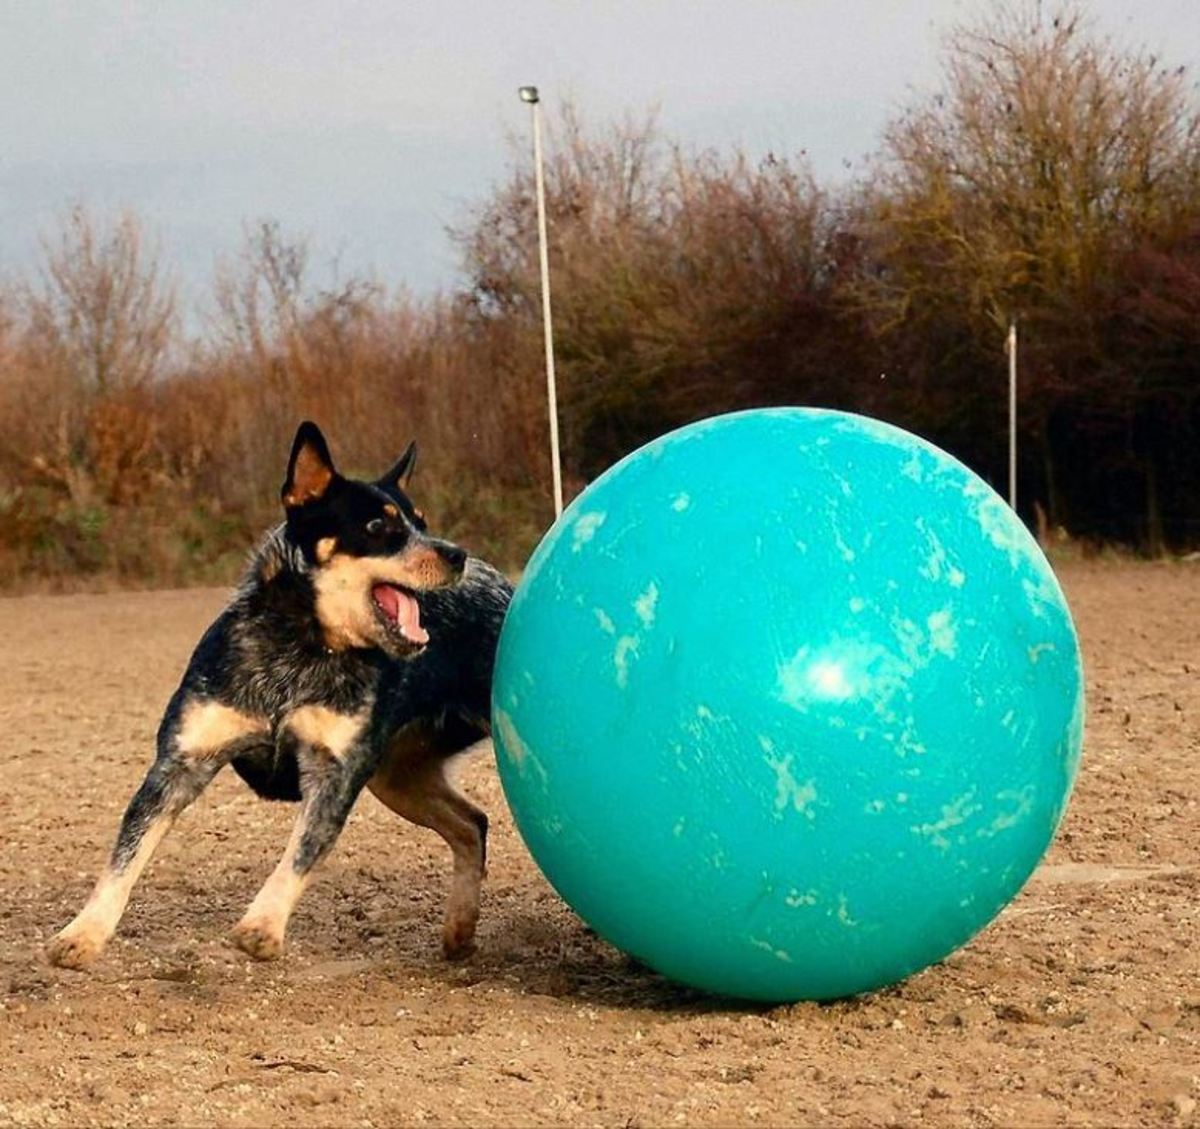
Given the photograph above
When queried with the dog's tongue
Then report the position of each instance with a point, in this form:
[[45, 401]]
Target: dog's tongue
[[402, 610]]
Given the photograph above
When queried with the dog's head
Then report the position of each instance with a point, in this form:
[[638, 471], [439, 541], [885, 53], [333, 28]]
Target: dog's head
[[366, 548]]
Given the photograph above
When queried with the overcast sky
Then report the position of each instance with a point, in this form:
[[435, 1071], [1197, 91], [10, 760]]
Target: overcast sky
[[370, 126]]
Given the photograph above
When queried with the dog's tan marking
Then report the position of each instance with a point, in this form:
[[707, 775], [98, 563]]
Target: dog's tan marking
[[343, 603], [427, 568], [311, 477], [263, 926], [81, 942], [391, 511], [327, 729], [269, 568], [206, 728], [343, 591], [325, 549]]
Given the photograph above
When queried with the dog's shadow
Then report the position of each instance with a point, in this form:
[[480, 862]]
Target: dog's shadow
[[552, 953]]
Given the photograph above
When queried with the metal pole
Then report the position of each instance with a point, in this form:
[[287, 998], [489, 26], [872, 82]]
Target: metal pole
[[1011, 348], [530, 94]]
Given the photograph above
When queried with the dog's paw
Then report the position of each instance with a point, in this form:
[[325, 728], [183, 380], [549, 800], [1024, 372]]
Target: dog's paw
[[458, 941], [75, 947], [260, 939]]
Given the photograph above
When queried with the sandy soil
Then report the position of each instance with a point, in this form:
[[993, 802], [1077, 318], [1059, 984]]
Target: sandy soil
[[1080, 1005]]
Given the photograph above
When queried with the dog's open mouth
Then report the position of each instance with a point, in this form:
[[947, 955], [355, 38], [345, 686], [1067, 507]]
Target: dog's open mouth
[[397, 609]]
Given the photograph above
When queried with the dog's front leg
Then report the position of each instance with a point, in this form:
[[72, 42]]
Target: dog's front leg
[[335, 759], [196, 739]]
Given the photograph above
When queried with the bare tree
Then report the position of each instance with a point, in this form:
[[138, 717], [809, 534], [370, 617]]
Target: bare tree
[[1017, 189], [105, 310], [260, 295]]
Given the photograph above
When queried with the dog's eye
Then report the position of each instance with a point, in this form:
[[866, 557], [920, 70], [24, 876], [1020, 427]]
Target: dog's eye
[[375, 526]]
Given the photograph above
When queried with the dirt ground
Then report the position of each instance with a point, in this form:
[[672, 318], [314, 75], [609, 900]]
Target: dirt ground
[[1080, 1005]]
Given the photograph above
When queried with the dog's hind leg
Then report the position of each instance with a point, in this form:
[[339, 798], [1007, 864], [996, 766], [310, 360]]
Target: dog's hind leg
[[421, 793], [195, 741]]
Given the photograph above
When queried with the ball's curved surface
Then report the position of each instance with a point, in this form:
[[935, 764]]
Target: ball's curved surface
[[788, 704]]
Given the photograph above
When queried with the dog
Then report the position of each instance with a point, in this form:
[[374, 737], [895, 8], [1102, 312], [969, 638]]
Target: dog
[[356, 651]]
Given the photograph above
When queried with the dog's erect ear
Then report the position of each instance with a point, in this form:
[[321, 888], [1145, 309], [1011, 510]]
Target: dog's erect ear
[[310, 469], [397, 478]]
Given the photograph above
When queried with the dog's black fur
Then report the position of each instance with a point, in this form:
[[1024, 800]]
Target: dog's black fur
[[357, 651]]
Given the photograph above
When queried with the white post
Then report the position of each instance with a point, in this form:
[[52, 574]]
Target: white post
[[1010, 346], [530, 94]]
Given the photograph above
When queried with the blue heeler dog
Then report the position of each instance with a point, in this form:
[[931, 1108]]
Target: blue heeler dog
[[358, 650]]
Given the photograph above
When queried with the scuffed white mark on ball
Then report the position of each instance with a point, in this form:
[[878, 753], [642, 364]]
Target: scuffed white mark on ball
[[1039, 594], [912, 468], [795, 899], [954, 814], [511, 739], [585, 528], [514, 744], [802, 546], [789, 791], [605, 621], [857, 604], [645, 605], [997, 521], [943, 636], [843, 912], [937, 565], [1004, 530], [718, 860], [874, 807], [847, 553], [909, 744], [681, 502], [1020, 804], [935, 560], [627, 645], [1039, 649], [766, 946], [792, 684], [911, 639]]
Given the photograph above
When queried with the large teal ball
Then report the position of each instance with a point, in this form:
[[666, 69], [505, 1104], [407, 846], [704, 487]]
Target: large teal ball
[[788, 704]]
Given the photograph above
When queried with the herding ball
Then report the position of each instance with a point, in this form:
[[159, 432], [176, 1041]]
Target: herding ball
[[788, 704]]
